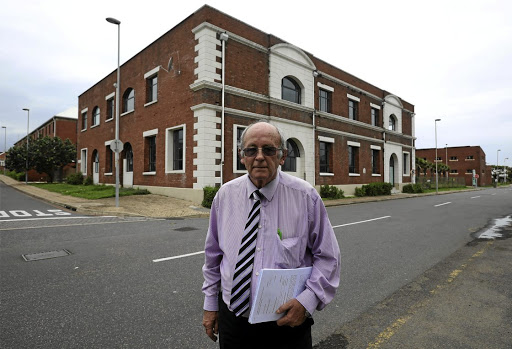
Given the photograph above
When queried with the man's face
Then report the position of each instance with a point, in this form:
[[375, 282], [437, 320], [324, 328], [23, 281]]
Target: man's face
[[262, 168]]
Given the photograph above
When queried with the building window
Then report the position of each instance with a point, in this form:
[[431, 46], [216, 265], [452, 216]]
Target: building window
[[239, 165], [375, 117], [325, 100], [392, 123], [110, 108], [83, 162], [352, 109], [406, 163], [454, 172], [375, 161], [95, 116], [150, 154], [129, 100], [128, 154], [470, 157], [353, 159], [152, 89], [96, 162], [84, 120], [177, 139], [453, 158], [109, 159], [290, 163], [325, 154], [469, 171], [439, 158], [290, 90]]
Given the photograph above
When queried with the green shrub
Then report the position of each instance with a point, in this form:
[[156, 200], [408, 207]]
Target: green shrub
[[331, 192], [75, 179], [208, 195], [412, 188], [374, 189], [88, 181], [359, 192], [19, 176]]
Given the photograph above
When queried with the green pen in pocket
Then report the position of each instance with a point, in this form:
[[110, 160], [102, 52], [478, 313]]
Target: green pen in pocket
[[280, 234]]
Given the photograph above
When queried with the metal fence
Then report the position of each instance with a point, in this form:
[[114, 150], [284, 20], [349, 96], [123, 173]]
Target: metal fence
[[443, 182]]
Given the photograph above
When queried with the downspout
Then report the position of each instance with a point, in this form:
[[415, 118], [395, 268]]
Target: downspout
[[54, 127], [223, 38], [314, 149], [413, 151]]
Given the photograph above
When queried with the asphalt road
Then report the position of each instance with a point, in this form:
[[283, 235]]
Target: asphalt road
[[112, 292]]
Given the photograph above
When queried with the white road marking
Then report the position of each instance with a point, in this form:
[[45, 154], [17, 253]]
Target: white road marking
[[176, 257], [474, 197], [43, 219], [368, 220], [446, 203]]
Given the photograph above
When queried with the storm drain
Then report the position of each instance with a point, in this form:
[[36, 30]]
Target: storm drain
[[186, 229], [45, 255]]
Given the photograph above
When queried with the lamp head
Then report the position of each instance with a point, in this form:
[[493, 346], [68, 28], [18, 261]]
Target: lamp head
[[26, 109], [438, 119], [113, 20]]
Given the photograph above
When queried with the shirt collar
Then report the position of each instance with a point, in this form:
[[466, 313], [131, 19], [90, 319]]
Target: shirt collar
[[267, 191]]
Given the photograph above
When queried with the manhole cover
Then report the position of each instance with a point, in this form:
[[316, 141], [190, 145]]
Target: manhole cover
[[185, 229], [45, 255]]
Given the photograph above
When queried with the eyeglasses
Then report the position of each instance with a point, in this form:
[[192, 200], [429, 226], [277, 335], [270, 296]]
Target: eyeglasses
[[267, 151]]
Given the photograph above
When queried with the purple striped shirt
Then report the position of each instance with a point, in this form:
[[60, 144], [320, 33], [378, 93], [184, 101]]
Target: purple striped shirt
[[294, 207]]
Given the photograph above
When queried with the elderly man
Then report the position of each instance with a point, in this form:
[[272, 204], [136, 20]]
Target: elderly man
[[266, 219]]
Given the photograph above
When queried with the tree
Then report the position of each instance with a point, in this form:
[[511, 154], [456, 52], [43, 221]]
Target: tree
[[16, 159], [52, 154]]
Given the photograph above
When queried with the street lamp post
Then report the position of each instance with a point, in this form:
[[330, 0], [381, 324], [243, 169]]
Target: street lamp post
[[497, 167], [118, 86], [504, 168], [26, 165], [437, 174], [5, 146]]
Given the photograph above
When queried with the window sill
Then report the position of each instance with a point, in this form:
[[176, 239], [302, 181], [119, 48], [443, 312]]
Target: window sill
[[354, 175], [93, 126], [470, 159], [240, 171], [128, 112], [149, 173], [108, 174], [108, 120], [406, 175], [376, 175], [149, 103], [326, 174], [177, 171], [84, 129]]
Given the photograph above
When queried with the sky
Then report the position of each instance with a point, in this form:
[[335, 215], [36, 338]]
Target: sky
[[451, 59]]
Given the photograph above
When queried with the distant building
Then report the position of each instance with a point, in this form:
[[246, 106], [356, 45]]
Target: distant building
[[62, 125], [186, 98], [2, 162], [461, 161]]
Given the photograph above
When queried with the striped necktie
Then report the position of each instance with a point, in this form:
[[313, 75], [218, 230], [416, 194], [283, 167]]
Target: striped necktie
[[241, 291]]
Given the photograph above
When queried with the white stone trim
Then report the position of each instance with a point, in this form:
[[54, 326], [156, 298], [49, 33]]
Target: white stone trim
[[375, 147], [112, 95], [354, 98], [150, 133], [354, 175], [152, 72], [326, 139], [326, 174], [325, 87], [85, 110], [375, 106], [107, 143], [206, 153], [354, 144], [83, 162]]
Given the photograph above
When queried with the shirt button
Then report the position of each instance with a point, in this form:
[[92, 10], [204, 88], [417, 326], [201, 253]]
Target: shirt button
[[257, 273], [258, 249], [259, 226]]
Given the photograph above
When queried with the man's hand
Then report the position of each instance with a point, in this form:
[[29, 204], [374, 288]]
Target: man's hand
[[295, 313], [211, 324]]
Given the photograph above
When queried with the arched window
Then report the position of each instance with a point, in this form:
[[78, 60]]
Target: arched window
[[95, 116], [392, 122], [129, 100], [96, 162], [129, 157], [290, 90], [290, 164]]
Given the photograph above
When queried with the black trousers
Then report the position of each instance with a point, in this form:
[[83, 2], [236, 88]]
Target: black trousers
[[238, 333]]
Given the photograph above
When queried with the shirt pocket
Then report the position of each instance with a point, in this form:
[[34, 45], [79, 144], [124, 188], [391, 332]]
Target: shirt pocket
[[289, 253]]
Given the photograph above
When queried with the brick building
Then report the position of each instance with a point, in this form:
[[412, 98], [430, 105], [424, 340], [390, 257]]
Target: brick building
[[2, 162], [186, 98], [62, 125], [461, 160]]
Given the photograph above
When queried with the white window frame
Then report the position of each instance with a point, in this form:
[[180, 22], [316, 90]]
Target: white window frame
[[145, 134], [235, 147], [111, 96], [150, 74], [83, 161], [406, 166], [84, 111], [326, 140], [169, 148], [99, 117], [378, 148], [356, 145]]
